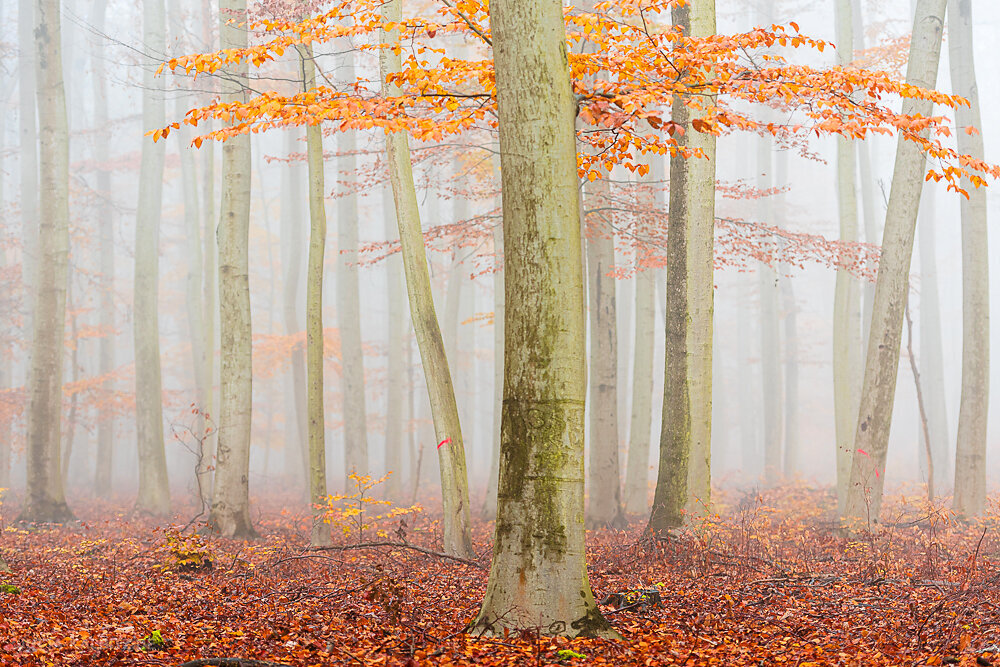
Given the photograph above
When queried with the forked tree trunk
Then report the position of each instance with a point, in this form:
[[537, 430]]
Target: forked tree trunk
[[45, 501], [684, 477], [847, 296], [970, 454], [320, 534], [106, 233], [230, 515], [605, 506], [444, 409], [871, 440], [538, 578]]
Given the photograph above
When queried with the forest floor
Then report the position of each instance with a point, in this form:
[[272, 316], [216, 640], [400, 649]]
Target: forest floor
[[768, 582]]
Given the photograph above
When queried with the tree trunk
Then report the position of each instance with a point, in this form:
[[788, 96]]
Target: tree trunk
[[320, 535], [28, 118], [770, 336], [349, 310], [230, 514], [605, 505], [931, 352], [637, 471], [871, 439], [538, 578], [154, 489], [847, 297], [45, 501], [106, 233], [490, 504], [684, 477], [444, 409], [397, 373], [970, 454], [210, 271]]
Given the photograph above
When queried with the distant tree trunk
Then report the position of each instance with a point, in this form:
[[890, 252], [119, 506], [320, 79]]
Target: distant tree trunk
[[193, 296], [349, 309], [770, 336], [444, 409], [846, 298], [320, 535], [605, 505], [210, 271], [538, 577], [74, 364], [6, 381], [684, 477], [106, 233], [230, 515], [871, 441], [292, 242], [970, 455], [397, 336], [45, 501], [931, 348], [791, 338], [28, 156], [747, 408], [637, 471], [154, 489], [490, 504]]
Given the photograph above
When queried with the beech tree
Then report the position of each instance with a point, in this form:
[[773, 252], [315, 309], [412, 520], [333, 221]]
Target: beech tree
[[538, 578], [45, 501], [230, 514], [871, 439], [970, 454]]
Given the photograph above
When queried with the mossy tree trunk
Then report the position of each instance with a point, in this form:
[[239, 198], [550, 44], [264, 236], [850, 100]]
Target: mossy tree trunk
[[684, 477], [538, 578]]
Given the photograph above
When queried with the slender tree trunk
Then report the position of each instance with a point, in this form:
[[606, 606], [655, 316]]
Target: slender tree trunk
[[490, 504], [792, 454], [396, 391], [230, 514], [69, 436], [106, 233], [770, 336], [871, 438], [210, 273], [6, 381], [320, 535], [970, 455], [154, 488], [846, 298], [605, 505], [637, 472], [684, 478], [538, 578], [444, 409], [28, 157], [349, 309], [931, 348], [45, 500]]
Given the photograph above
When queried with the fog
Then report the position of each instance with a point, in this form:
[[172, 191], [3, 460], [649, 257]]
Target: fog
[[104, 60]]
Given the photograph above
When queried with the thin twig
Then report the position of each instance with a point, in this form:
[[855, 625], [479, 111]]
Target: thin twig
[[402, 545]]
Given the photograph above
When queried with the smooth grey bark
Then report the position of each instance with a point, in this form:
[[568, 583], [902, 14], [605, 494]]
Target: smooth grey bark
[[230, 514], [441, 393], [538, 577], [45, 501], [28, 158], [790, 307], [768, 283], [637, 465], [154, 488], [106, 234], [871, 440], [970, 454], [605, 506]]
